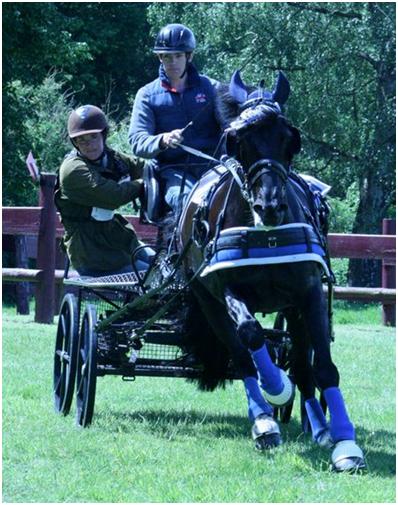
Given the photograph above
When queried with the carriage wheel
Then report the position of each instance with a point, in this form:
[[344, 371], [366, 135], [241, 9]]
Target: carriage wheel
[[305, 423], [283, 413], [65, 355], [86, 368]]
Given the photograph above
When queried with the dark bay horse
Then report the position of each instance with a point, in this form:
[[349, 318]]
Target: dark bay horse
[[251, 229]]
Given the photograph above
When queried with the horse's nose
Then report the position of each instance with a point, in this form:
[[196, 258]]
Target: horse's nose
[[259, 207]]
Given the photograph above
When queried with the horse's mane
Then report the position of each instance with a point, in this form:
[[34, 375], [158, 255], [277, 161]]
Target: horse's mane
[[227, 107]]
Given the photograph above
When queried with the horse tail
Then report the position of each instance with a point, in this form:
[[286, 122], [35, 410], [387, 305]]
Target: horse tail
[[211, 353]]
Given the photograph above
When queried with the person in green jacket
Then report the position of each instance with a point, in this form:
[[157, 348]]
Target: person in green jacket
[[94, 181]]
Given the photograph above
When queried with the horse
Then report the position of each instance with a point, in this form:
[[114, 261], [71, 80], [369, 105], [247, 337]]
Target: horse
[[237, 225]]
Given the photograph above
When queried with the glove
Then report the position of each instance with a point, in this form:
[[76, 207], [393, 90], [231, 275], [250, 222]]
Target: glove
[[171, 139]]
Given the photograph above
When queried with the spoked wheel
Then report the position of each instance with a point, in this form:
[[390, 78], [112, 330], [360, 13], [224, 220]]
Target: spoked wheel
[[86, 368], [65, 356], [282, 360]]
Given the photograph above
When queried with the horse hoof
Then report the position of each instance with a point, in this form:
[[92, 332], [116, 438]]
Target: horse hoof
[[265, 442], [265, 432], [347, 457], [286, 396], [324, 439]]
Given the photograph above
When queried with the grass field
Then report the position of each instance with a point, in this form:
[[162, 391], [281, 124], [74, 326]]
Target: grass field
[[161, 440]]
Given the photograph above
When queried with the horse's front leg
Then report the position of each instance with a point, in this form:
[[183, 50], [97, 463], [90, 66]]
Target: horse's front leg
[[278, 389], [346, 456]]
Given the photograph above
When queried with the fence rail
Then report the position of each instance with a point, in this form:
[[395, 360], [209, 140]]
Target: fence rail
[[43, 227]]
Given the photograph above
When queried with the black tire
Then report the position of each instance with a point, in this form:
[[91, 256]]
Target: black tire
[[65, 355], [86, 368], [282, 413]]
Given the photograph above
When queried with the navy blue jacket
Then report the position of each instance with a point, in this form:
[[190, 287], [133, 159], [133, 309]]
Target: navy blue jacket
[[158, 108]]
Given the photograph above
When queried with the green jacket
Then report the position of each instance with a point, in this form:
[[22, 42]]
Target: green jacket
[[86, 189]]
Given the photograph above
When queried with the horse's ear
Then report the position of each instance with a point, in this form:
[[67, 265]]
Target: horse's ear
[[295, 143], [237, 88], [281, 90]]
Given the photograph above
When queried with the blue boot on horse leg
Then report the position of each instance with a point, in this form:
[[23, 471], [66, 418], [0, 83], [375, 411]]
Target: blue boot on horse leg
[[278, 389], [347, 455], [265, 430]]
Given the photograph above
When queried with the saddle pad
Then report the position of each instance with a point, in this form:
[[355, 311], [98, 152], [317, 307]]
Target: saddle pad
[[244, 246]]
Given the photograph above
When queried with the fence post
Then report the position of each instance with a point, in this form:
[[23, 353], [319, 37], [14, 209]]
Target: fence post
[[388, 275], [45, 290]]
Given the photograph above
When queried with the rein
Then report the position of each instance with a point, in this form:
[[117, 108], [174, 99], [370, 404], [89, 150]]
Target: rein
[[231, 164]]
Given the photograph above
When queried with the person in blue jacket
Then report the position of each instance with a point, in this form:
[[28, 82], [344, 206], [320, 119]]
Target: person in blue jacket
[[177, 107]]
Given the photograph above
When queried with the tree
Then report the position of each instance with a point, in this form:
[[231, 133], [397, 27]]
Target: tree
[[37, 117]]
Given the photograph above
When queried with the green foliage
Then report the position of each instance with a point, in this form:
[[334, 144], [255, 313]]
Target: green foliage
[[343, 210], [160, 440], [118, 136], [36, 39], [38, 123]]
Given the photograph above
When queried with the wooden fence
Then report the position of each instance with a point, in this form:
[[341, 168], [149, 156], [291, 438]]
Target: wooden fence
[[41, 229]]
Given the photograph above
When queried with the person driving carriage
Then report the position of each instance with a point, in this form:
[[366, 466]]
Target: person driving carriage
[[94, 181], [177, 107]]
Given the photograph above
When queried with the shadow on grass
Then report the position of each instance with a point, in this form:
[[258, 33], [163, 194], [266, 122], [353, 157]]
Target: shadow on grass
[[193, 423], [187, 423]]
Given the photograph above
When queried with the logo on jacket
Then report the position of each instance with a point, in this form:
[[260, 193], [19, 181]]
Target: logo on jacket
[[200, 98]]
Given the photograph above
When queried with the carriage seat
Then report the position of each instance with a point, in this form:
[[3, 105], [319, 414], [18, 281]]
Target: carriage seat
[[247, 246], [153, 207]]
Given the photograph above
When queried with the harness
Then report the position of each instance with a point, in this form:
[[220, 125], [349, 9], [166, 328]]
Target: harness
[[250, 246]]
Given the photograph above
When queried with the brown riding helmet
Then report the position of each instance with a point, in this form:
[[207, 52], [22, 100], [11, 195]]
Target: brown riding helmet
[[86, 119]]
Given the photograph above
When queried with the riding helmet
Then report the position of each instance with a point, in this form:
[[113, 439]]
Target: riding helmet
[[175, 38], [86, 119]]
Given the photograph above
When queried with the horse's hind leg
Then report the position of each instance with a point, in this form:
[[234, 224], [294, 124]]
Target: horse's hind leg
[[278, 389], [302, 371], [347, 456]]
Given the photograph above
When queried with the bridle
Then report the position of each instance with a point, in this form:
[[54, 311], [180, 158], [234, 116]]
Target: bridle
[[253, 114]]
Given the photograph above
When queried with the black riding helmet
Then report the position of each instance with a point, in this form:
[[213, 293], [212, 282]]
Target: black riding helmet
[[175, 38]]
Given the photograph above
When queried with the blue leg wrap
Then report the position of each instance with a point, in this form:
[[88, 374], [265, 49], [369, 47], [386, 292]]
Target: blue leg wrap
[[256, 402], [341, 427], [270, 376], [316, 417]]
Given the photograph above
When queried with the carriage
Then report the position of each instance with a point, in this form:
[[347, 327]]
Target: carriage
[[250, 238]]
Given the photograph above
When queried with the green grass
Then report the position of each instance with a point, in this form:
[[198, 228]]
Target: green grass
[[161, 440]]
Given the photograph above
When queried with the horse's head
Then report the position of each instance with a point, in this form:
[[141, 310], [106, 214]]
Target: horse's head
[[264, 143]]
